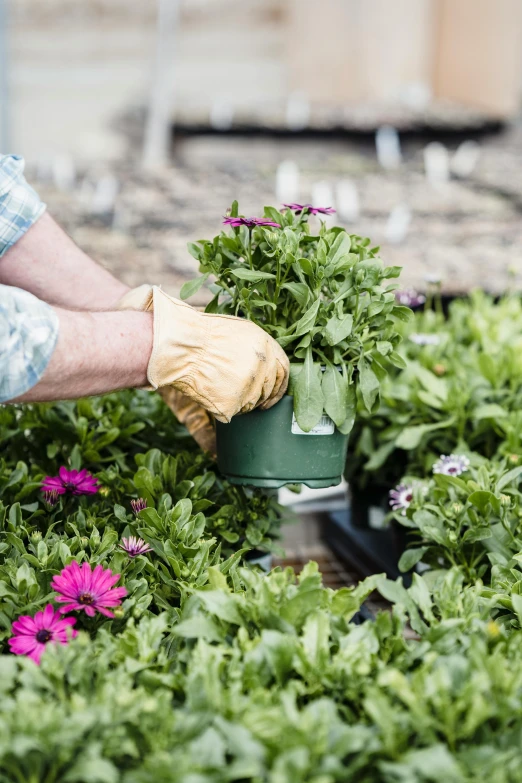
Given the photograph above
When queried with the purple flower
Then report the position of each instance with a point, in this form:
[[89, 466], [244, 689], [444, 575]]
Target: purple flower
[[138, 505], [51, 497], [410, 298], [308, 208], [76, 482], [92, 591], [33, 634], [134, 546], [425, 339], [453, 465], [252, 222], [401, 497]]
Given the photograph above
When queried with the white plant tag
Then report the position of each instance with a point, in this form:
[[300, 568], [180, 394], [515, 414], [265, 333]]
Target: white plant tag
[[324, 427]]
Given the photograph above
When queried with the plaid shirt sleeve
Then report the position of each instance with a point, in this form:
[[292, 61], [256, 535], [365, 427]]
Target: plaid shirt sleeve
[[20, 207], [28, 326], [28, 335]]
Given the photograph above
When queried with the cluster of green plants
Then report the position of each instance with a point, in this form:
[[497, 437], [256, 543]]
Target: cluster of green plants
[[472, 522], [269, 681], [210, 671], [461, 388], [324, 296]]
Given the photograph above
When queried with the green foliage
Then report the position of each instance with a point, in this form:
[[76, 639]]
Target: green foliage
[[325, 298], [272, 683], [465, 392], [212, 672]]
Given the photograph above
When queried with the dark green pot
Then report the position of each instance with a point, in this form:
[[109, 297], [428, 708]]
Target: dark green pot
[[260, 449]]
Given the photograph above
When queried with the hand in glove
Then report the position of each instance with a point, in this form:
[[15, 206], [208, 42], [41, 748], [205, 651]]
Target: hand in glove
[[198, 422], [225, 364]]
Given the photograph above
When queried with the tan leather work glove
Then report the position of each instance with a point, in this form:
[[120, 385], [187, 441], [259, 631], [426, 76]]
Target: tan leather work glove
[[227, 365], [196, 419]]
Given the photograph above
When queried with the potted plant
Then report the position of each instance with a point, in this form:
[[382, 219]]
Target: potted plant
[[325, 296]]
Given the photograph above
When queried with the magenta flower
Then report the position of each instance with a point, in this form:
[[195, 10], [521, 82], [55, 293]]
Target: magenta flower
[[138, 505], [76, 482], [134, 546], [252, 222], [308, 208], [50, 497], [33, 634], [400, 498], [453, 465], [92, 591]]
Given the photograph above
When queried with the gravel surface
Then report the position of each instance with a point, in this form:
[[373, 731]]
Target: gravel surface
[[467, 230]]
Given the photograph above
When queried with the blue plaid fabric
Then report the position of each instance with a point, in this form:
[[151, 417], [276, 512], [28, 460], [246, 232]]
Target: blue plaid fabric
[[28, 327], [20, 207], [28, 335]]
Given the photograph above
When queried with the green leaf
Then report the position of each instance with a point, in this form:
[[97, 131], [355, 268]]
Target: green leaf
[[307, 322], [340, 247], [253, 275], [411, 437], [308, 396], [198, 627], [334, 386], [299, 291], [191, 287], [368, 384], [507, 478], [338, 329], [516, 601], [411, 557], [220, 604], [490, 411], [404, 313], [482, 498]]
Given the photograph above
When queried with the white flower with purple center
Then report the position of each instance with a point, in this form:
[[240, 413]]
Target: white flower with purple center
[[453, 465], [401, 497], [424, 339]]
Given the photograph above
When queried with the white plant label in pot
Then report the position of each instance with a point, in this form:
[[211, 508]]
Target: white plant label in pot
[[324, 427]]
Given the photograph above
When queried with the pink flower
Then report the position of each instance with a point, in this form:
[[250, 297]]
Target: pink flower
[[298, 208], [76, 482], [134, 546], [138, 505], [235, 222], [33, 634], [51, 497], [92, 591]]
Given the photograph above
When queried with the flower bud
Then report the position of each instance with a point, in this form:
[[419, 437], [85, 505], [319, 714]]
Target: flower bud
[[493, 629], [105, 491], [36, 536], [452, 537], [84, 542], [119, 612], [439, 369], [457, 508], [514, 458], [505, 500]]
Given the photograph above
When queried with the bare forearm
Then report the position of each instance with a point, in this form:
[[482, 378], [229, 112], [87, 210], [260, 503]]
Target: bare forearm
[[47, 263], [96, 353]]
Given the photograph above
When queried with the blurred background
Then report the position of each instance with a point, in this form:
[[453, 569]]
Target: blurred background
[[142, 121]]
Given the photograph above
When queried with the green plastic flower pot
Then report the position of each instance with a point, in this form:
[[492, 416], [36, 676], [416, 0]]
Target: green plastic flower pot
[[268, 449]]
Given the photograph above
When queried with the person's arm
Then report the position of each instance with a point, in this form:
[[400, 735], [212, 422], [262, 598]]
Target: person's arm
[[47, 263], [37, 256], [95, 353]]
